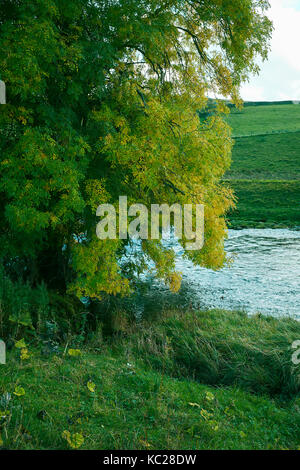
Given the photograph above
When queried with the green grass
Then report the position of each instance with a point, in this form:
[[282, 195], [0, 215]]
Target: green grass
[[266, 166], [254, 120], [223, 348], [152, 392], [274, 157], [266, 204]]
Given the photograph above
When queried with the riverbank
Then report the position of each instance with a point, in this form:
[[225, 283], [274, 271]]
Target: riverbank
[[186, 380]]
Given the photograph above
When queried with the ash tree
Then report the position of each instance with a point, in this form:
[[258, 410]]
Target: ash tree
[[108, 98]]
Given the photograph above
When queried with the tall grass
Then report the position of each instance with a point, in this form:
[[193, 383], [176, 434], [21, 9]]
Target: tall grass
[[30, 311], [224, 348], [182, 381]]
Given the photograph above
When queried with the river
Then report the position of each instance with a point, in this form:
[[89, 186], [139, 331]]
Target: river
[[264, 278]]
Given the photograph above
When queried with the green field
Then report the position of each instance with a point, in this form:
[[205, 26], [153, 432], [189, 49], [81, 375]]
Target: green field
[[275, 157], [266, 203], [253, 120], [265, 171], [200, 380]]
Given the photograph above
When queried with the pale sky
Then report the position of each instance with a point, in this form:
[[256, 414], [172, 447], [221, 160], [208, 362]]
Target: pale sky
[[279, 78]]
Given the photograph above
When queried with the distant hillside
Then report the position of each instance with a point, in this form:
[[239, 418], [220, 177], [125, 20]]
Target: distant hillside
[[273, 156], [265, 171], [266, 119]]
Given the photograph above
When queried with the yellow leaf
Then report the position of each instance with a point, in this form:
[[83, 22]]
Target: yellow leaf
[[91, 386], [19, 391], [145, 444], [66, 435], [24, 354], [74, 352], [74, 440], [1, 441], [195, 405], [214, 425], [209, 396], [205, 414]]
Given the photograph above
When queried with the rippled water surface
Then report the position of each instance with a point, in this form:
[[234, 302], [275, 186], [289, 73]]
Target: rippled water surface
[[265, 276]]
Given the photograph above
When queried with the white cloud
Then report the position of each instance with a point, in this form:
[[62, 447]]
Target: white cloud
[[279, 78]]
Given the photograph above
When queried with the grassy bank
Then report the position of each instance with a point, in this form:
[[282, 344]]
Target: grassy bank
[[201, 380], [265, 171]]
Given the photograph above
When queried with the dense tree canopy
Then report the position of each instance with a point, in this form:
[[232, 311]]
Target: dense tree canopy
[[103, 99]]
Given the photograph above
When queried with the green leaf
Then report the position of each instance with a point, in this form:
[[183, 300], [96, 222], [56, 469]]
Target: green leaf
[[20, 344]]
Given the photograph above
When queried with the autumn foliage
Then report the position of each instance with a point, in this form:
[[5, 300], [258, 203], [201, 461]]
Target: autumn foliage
[[109, 98]]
